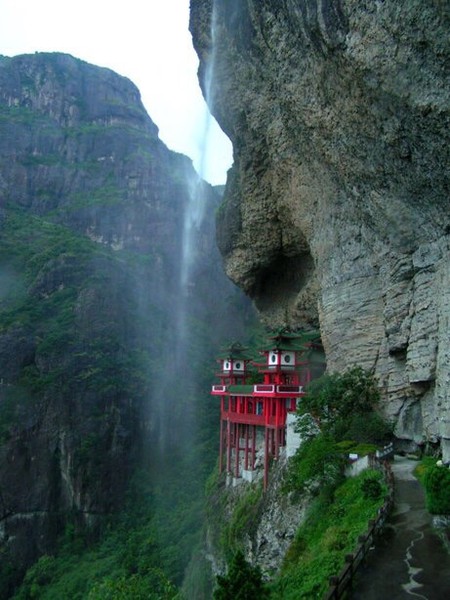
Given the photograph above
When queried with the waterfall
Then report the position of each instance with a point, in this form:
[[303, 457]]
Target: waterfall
[[174, 360], [194, 211]]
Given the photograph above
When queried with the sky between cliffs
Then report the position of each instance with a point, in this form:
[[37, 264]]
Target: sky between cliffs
[[148, 41]]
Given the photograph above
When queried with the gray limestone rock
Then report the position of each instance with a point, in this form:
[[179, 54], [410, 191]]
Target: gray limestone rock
[[337, 211], [92, 208]]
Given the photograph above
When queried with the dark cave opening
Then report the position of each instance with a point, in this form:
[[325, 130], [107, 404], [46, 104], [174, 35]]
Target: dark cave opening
[[282, 280]]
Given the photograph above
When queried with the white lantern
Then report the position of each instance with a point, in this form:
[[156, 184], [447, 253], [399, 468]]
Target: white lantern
[[288, 359]]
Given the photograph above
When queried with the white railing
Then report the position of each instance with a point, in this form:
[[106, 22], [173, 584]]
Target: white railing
[[219, 388], [386, 451], [290, 389], [262, 388]]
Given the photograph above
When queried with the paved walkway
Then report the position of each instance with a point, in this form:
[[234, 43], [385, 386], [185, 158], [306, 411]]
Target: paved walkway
[[409, 559]]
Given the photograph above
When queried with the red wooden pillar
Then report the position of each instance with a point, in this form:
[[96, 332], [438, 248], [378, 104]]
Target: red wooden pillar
[[266, 457], [246, 446], [254, 446], [277, 442], [221, 446], [228, 446], [277, 426], [236, 450]]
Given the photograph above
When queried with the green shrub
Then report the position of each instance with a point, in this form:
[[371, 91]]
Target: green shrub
[[343, 405], [318, 463], [243, 519], [364, 428], [348, 446], [153, 586], [341, 395], [371, 489], [427, 463], [242, 582], [37, 577], [330, 531], [7, 572], [437, 487]]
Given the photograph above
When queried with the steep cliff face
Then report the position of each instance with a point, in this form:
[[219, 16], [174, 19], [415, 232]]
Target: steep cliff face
[[263, 524], [337, 208], [93, 255]]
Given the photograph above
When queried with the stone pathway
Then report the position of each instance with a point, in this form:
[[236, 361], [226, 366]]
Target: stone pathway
[[409, 559]]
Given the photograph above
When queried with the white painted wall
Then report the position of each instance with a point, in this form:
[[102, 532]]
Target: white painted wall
[[293, 439]]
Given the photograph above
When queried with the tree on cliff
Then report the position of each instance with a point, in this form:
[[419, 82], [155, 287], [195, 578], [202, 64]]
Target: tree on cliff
[[344, 406], [243, 582]]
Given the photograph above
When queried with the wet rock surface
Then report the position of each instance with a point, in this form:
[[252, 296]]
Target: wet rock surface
[[410, 559], [267, 536], [279, 519], [336, 210], [92, 221]]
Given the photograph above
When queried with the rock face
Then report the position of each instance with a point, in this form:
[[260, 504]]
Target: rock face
[[337, 208], [97, 261], [279, 518], [267, 525]]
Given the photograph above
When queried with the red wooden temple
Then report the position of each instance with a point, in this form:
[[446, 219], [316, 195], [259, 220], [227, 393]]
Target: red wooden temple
[[249, 411]]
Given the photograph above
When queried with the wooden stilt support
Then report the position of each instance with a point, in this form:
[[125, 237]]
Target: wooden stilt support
[[266, 458], [254, 447], [228, 447], [221, 446], [275, 443], [236, 450], [250, 411], [246, 446]]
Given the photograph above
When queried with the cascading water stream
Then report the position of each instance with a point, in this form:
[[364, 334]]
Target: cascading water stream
[[175, 356], [195, 207]]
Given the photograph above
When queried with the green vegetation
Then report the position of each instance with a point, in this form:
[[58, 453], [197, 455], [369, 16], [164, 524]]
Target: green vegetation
[[426, 463], [109, 571], [142, 554], [344, 406], [52, 274], [6, 572], [336, 407], [46, 263], [437, 487], [242, 582], [86, 129], [339, 512], [88, 347], [330, 532], [361, 449], [318, 464], [243, 520], [15, 402], [436, 481], [109, 195], [48, 160], [29, 243], [94, 364], [336, 417], [20, 115]]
